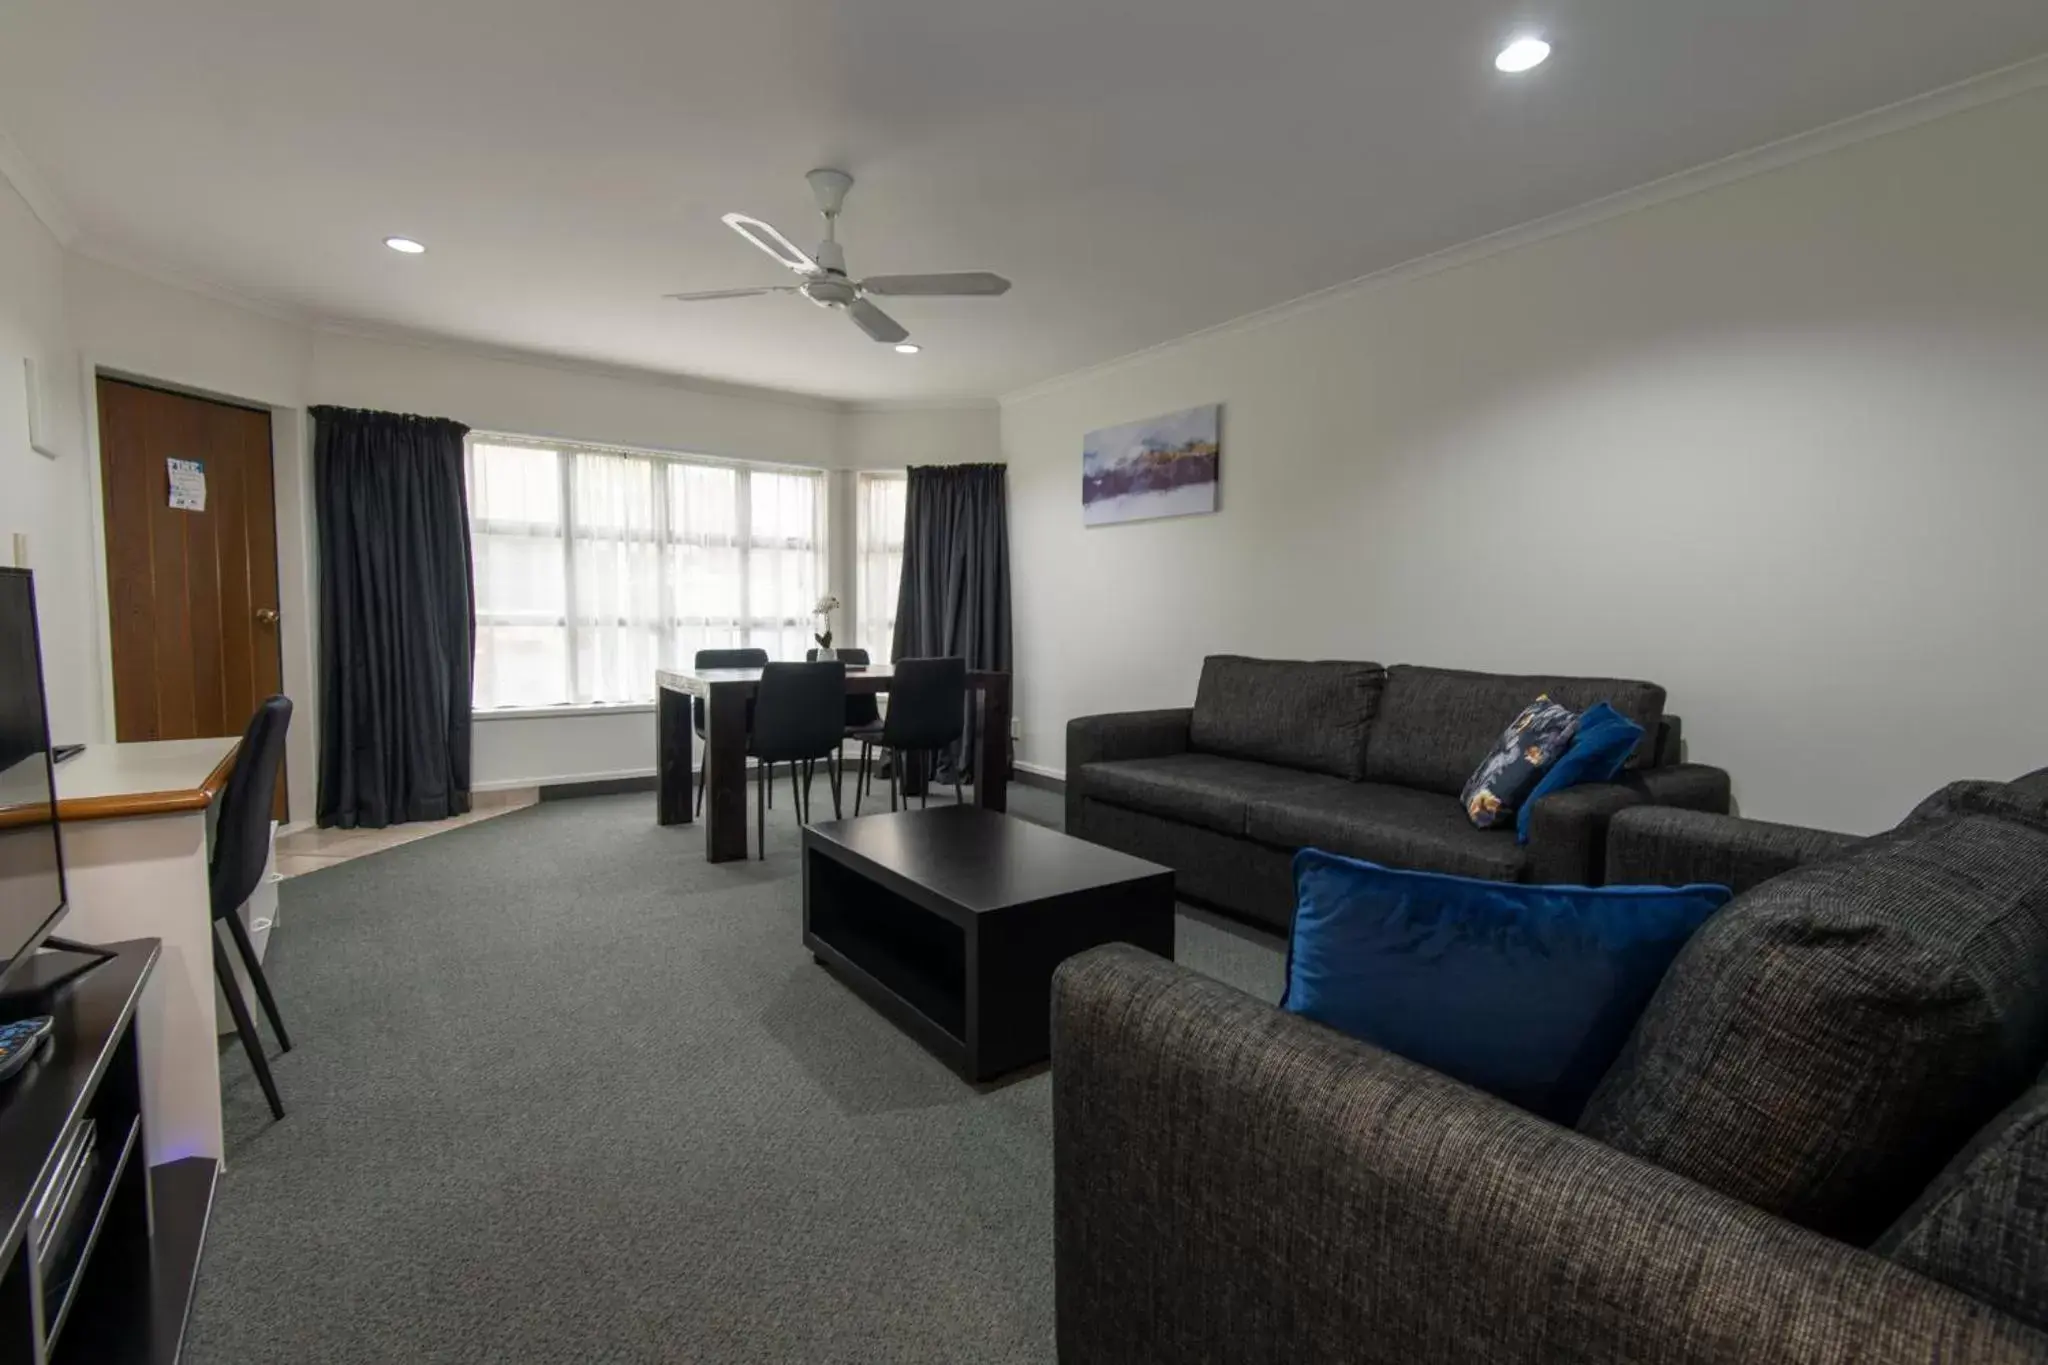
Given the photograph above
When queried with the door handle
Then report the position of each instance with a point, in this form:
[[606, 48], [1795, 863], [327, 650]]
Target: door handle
[[266, 615]]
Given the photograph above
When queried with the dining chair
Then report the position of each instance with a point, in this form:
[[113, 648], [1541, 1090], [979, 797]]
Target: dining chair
[[241, 850], [799, 718], [863, 716], [718, 658], [927, 714]]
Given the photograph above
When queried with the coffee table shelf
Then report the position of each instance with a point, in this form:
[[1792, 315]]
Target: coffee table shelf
[[952, 921]]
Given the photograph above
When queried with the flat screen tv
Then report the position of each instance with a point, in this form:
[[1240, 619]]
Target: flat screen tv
[[31, 848]]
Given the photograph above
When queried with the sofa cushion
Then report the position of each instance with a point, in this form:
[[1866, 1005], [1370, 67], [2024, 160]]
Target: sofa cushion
[[1434, 725], [1313, 716], [1525, 751], [1397, 826], [1983, 1226], [1830, 1039], [1526, 992], [1202, 789]]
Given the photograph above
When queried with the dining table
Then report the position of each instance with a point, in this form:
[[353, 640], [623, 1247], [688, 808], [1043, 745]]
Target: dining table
[[726, 693]]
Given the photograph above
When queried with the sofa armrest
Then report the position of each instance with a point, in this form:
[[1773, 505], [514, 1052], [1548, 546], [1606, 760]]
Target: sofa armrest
[[1692, 786], [1234, 1183], [1667, 846], [1568, 829], [1123, 734]]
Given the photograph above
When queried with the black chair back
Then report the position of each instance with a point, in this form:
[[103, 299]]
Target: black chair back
[[241, 833], [722, 658], [862, 709], [927, 704], [798, 711]]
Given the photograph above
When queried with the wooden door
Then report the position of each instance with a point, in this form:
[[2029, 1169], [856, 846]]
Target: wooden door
[[192, 595]]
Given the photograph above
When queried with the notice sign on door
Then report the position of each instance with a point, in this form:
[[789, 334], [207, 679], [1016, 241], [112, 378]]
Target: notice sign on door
[[188, 485]]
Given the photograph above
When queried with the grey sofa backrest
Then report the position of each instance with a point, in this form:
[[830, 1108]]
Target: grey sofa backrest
[[1313, 716], [1436, 724]]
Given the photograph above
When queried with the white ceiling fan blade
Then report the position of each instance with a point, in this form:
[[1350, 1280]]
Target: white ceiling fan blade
[[962, 284], [875, 322], [703, 294], [765, 236]]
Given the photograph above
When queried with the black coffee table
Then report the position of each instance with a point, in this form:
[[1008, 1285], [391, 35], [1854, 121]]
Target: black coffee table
[[951, 921]]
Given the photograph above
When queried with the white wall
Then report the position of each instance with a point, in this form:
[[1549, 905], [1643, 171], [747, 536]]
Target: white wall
[[893, 438], [1781, 445], [46, 499]]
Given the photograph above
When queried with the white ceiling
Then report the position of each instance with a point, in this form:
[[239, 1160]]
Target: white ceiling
[[1141, 169]]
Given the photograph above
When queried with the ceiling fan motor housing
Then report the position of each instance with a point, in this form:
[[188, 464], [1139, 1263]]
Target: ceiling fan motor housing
[[830, 291]]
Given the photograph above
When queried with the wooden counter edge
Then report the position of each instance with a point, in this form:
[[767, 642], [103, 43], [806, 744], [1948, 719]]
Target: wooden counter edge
[[152, 803]]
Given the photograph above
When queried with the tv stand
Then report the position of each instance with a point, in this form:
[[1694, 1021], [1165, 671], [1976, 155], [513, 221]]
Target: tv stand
[[98, 1253]]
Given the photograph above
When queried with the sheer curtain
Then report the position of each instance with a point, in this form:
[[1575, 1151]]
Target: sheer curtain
[[880, 560], [595, 566], [616, 572], [515, 522], [785, 560], [706, 578]]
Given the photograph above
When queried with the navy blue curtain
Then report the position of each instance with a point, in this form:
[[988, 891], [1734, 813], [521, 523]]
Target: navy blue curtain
[[397, 617], [955, 592]]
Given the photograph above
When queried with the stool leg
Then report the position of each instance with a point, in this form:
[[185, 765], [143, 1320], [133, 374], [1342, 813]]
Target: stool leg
[[895, 762], [240, 934], [761, 809], [838, 772], [244, 1025]]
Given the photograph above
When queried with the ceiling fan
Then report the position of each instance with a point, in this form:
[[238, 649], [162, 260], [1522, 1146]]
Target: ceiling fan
[[825, 281]]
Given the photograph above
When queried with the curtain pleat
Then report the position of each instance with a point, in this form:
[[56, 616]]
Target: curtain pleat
[[397, 619], [955, 594]]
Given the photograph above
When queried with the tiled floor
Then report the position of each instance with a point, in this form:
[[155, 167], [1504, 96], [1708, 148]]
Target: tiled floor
[[309, 850]]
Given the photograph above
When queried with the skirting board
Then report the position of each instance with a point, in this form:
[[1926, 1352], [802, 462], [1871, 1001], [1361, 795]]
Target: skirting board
[[1032, 775]]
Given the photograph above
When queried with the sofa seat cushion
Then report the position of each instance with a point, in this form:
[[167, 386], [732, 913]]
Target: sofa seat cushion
[[1313, 716], [1395, 826], [1829, 1040], [1435, 725], [1202, 789]]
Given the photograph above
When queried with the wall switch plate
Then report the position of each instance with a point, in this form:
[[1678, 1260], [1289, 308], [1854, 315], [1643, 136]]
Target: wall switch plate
[[1016, 727], [21, 549]]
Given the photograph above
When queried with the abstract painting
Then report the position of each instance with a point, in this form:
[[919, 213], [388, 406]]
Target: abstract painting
[[1160, 467]]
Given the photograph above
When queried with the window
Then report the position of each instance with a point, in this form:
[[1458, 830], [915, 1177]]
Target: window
[[880, 567], [595, 566]]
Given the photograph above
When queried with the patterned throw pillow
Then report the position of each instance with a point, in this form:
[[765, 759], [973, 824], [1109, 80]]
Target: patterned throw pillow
[[1537, 739]]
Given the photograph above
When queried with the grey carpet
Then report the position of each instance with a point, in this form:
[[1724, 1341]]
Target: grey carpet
[[564, 1092]]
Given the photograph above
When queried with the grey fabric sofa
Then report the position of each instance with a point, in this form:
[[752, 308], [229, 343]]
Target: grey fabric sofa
[[1275, 756], [1777, 1171]]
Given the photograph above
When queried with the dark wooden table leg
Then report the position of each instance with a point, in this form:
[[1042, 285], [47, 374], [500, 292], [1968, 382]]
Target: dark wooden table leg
[[992, 755], [673, 741], [725, 801]]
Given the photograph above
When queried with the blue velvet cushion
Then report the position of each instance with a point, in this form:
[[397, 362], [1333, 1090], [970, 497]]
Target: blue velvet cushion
[[1527, 992], [1533, 741], [1599, 751]]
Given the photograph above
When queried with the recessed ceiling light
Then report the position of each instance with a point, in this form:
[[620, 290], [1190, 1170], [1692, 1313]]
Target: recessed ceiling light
[[908, 348], [404, 244], [1523, 54]]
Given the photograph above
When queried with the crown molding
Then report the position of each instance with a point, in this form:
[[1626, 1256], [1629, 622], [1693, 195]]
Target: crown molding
[[359, 330], [185, 281], [1990, 88], [886, 405], [42, 201]]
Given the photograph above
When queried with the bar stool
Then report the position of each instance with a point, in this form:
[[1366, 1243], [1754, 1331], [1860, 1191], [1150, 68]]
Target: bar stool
[[241, 849]]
